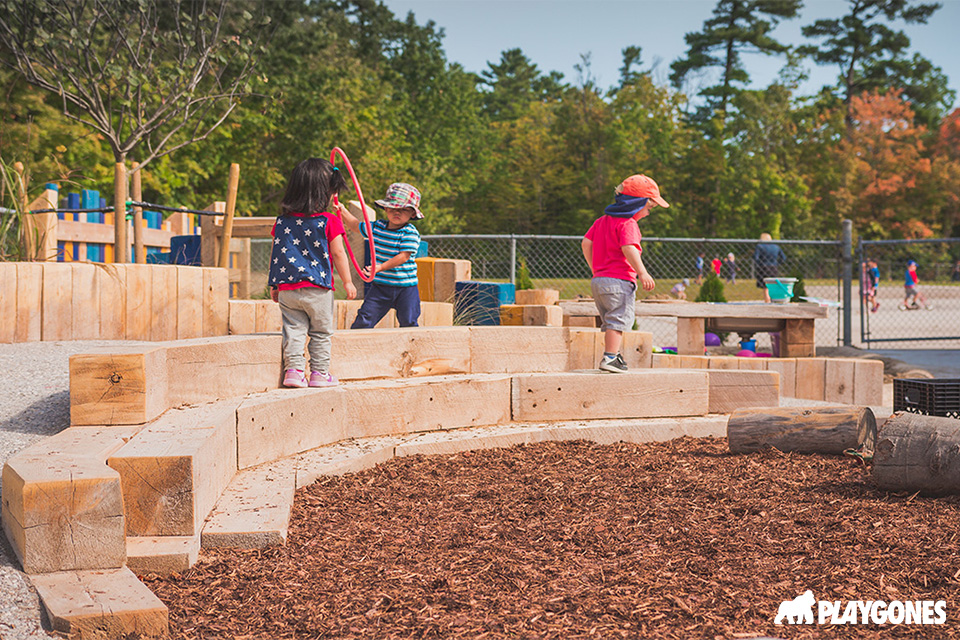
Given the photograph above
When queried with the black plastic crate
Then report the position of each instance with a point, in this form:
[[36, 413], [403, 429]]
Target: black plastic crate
[[930, 396]]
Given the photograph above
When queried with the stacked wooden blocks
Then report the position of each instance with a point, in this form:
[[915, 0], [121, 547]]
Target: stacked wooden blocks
[[842, 380], [533, 307], [437, 277]]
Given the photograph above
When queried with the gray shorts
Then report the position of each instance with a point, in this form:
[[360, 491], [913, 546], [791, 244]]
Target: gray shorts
[[615, 300]]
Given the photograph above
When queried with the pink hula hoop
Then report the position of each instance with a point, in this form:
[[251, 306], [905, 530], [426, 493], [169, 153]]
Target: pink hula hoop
[[363, 207]]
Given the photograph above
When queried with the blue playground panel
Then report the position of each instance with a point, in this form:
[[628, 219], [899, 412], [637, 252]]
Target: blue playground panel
[[423, 250], [478, 303]]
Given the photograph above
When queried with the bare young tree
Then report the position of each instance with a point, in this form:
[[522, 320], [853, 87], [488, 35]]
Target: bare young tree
[[160, 74], [156, 73]]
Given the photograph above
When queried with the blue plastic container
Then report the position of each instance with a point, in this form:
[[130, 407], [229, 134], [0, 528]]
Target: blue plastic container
[[780, 289]]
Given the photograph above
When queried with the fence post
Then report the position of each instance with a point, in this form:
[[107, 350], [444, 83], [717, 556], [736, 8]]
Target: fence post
[[861, 300], [847, 255], [513, 260]]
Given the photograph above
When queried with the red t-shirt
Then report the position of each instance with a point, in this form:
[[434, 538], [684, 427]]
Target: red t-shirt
[[333, 228], [609, 235]]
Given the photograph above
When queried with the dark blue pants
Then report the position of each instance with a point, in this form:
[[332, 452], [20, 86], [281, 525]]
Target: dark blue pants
[[378, 299]]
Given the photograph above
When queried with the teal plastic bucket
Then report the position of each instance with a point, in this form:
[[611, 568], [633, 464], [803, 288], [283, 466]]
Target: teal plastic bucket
[[780, 289]]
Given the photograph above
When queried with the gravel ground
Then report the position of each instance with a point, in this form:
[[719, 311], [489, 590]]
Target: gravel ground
[[34, 404]]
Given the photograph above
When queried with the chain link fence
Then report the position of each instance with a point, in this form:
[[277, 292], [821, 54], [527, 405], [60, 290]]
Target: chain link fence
[[889, 319], [556, 262]]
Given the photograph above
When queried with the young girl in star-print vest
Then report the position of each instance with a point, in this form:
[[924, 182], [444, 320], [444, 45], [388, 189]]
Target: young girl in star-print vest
[[307, 243]]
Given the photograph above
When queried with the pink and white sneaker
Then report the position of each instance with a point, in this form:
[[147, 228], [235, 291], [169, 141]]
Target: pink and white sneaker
[[294, 378], [318, 379]]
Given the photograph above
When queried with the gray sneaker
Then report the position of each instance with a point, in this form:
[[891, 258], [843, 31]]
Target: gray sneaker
[[613, 365]]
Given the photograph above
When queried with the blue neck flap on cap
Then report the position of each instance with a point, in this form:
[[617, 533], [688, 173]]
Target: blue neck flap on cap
[[625, 206]]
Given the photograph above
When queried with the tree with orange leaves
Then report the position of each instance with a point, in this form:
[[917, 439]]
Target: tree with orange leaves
[[887, 166]]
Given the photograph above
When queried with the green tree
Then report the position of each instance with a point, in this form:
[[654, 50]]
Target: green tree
[[737, 27], [872, 55], [515, 82]]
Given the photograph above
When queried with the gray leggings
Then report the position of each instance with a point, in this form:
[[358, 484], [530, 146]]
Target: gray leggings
[[307, 311]]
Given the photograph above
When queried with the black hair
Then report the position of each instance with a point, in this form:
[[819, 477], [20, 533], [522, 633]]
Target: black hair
[[312, 183]]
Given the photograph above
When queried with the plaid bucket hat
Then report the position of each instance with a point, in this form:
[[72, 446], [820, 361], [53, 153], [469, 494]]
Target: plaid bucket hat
[[401, 195]]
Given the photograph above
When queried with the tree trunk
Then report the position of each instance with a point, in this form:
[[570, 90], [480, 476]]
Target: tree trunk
[[918, 453], [830, 430]]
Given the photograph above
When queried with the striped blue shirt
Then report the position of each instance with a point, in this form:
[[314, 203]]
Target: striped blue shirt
[[390, 242]]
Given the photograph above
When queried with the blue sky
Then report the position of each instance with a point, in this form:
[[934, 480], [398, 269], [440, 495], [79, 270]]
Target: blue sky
[[554, 33]]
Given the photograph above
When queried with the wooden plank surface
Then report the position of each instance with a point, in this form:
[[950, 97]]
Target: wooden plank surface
[[732, 390], [810, 378], [112, 289], [646, 393], [57, 298], [839, 380], [189, 302], [29, 325], [690, 337], [139, 283], [86, 302], [707, 310], [174, 470], [164, 303], [216, 292], [8, 301]]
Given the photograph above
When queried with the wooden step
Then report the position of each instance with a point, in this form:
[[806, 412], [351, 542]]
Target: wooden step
[[285, 422], [62, 504], [99, 604], [597, 395], [174, 470], [162, 555], [599, 431], [254, 511], [135, 384]]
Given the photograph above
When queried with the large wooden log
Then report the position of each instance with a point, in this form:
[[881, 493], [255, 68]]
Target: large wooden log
[[830, 430], [918, 453]]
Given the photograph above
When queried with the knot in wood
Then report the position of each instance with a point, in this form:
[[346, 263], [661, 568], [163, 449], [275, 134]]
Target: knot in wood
[[115, 378]]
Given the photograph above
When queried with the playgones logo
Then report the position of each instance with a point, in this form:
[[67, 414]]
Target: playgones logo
[[800, 610]]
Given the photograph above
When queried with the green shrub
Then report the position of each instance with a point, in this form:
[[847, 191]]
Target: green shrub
[[523, 275], [798, 288], [711, 290]]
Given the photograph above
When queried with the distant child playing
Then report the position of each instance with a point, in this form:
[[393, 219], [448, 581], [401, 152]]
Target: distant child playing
[[306, 239], [396, 242], [680, 289], [611, 248], [872, 285], [913, 298]]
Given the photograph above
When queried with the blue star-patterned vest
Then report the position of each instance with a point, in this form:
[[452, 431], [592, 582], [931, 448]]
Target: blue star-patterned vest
[[300, 252]]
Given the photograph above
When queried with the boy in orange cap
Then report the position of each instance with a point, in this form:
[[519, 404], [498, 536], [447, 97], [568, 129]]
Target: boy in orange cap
[[611, 248]]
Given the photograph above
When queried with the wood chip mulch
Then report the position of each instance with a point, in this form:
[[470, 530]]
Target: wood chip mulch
[[574, 540]]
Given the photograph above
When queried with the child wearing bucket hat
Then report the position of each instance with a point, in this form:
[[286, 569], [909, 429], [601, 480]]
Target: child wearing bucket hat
[[611, 248], [396, 242]]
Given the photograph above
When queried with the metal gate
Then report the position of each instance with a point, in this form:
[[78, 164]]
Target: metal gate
[[893, 314]]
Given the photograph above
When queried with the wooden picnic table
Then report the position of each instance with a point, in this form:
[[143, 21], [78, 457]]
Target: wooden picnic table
[[794, 321]]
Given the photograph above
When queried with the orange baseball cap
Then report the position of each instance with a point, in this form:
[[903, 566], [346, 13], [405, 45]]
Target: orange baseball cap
[[641, 186]]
